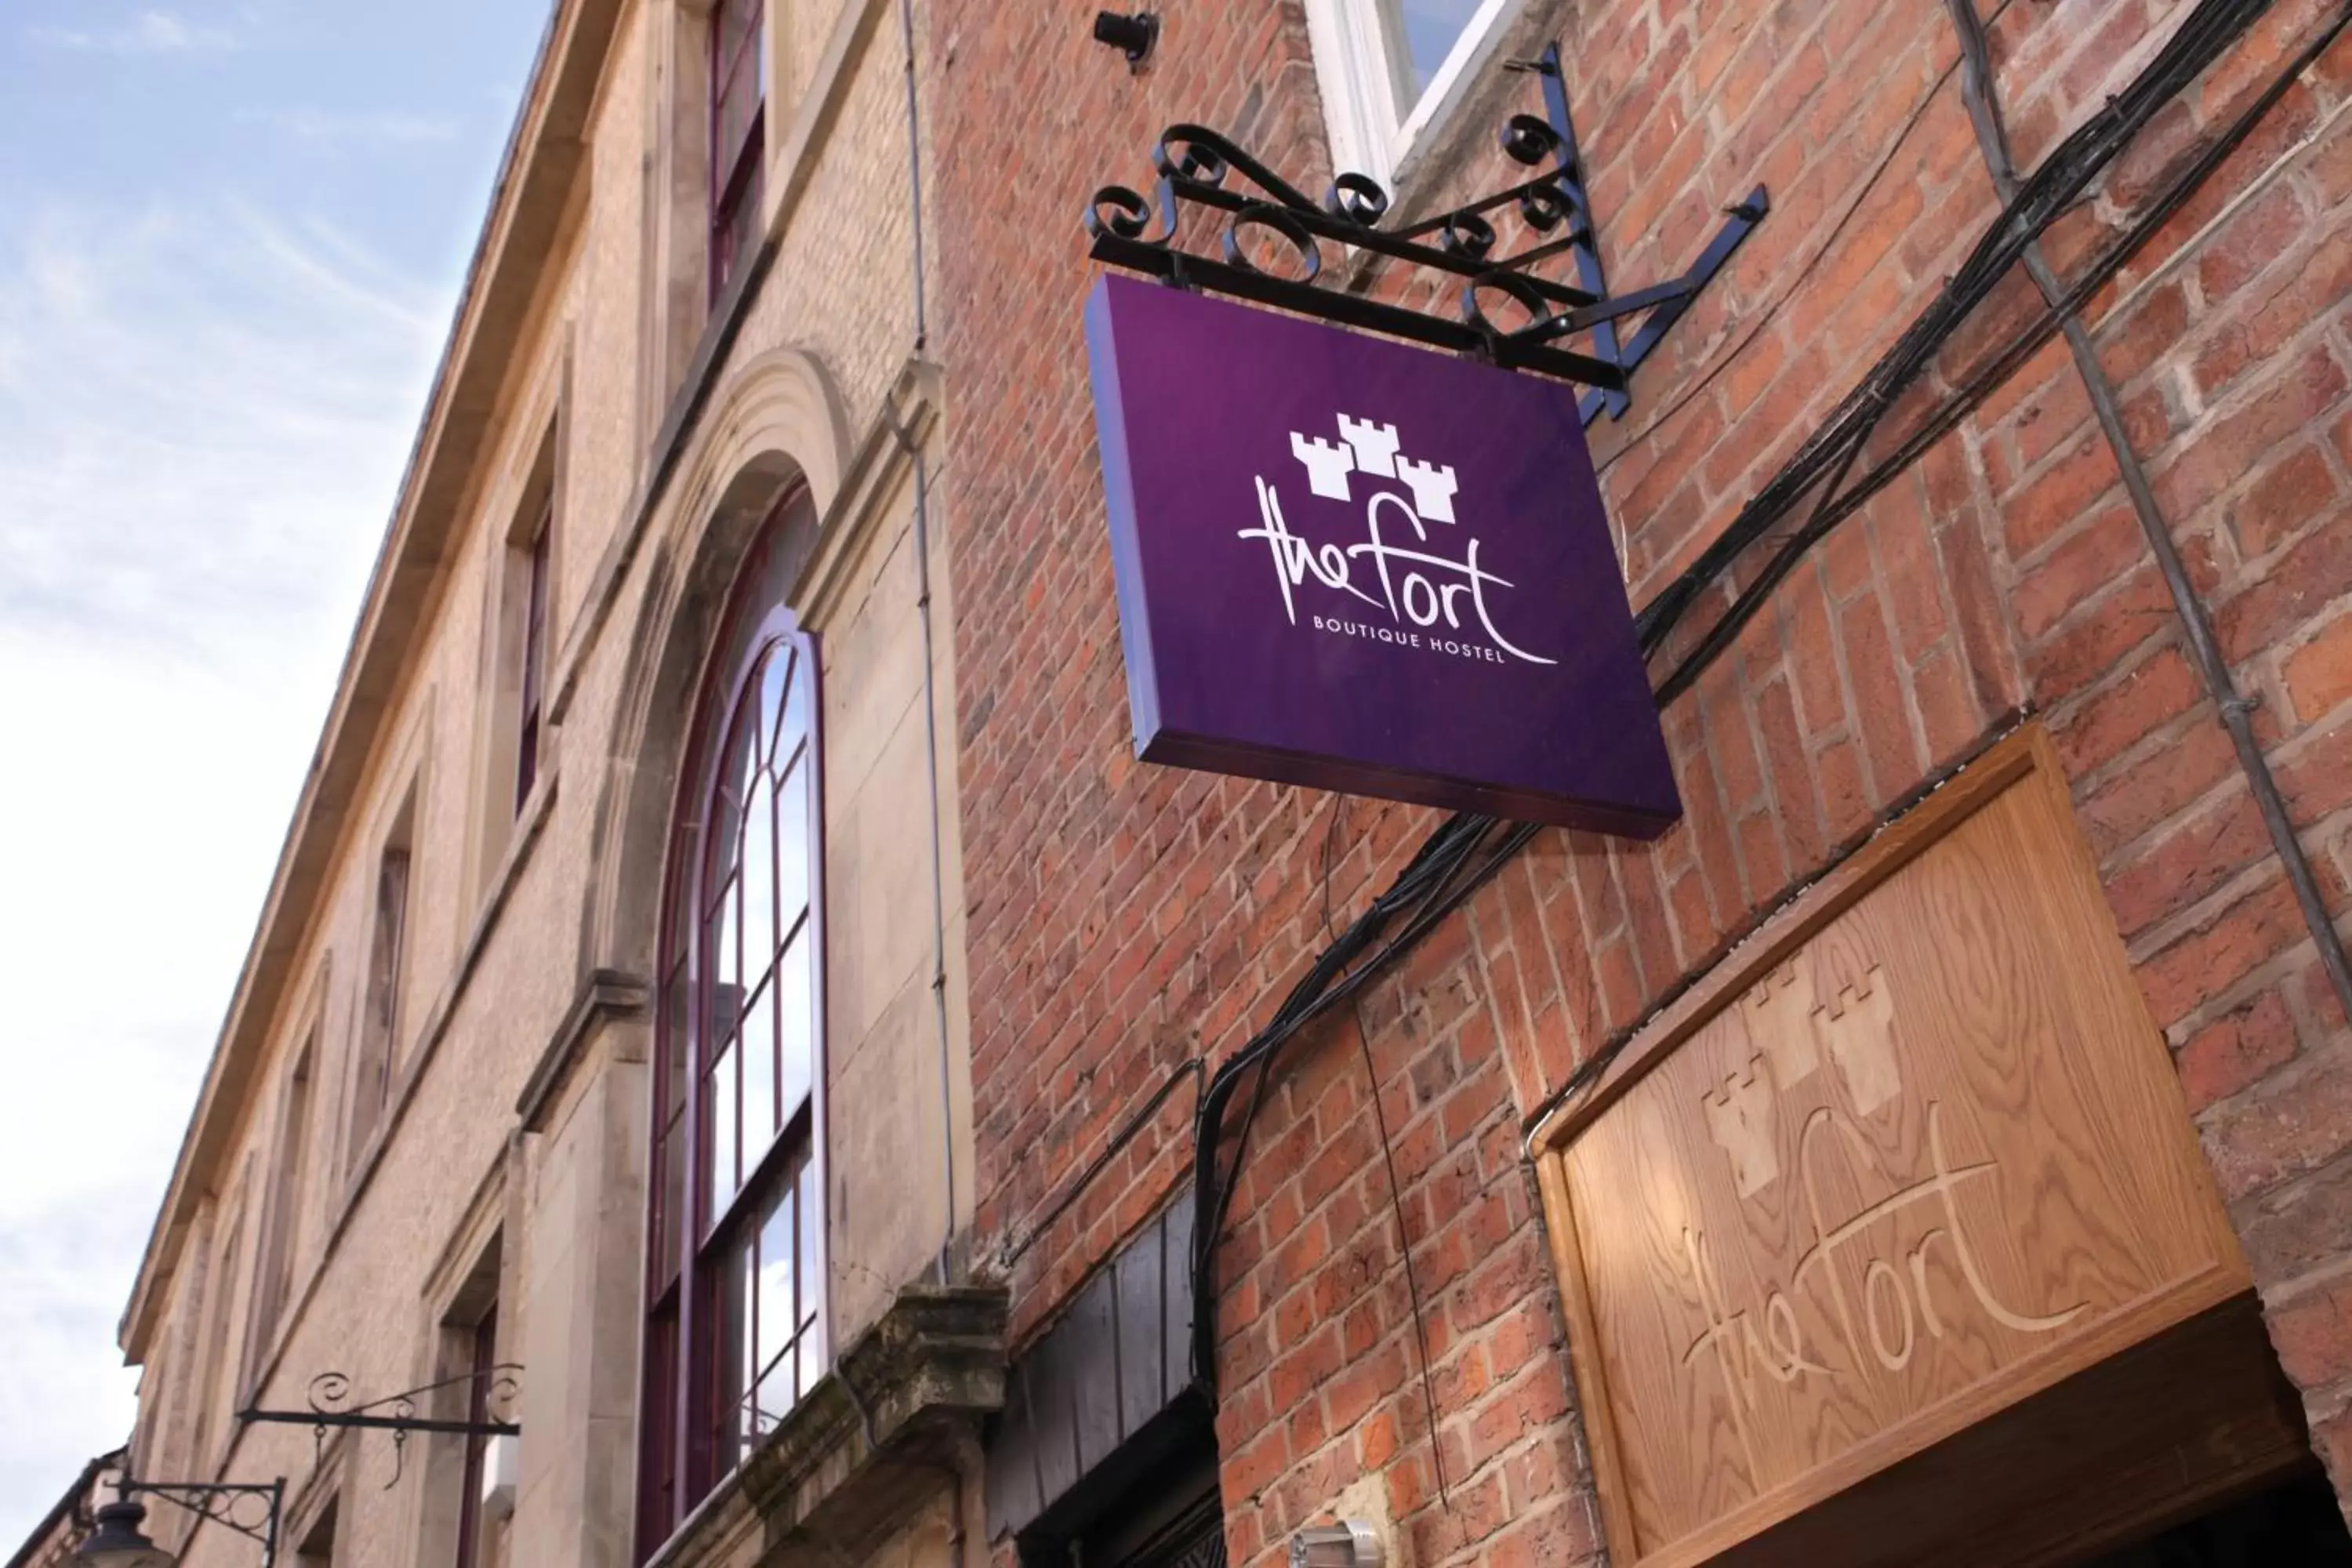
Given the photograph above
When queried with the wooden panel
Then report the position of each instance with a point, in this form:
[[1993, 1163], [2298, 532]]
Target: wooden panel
[[1915, 1155], [1142, 1338], [1176, 1294]]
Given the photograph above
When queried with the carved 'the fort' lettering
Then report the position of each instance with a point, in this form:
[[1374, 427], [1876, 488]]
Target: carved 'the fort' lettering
[[1894, 1311]]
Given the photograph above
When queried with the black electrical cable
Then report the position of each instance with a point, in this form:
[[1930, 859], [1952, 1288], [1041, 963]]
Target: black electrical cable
[[1323, 987], [2232, 710], [1405, 1250], [1767, 314], [2027, 342], [2050, 190], [1832, 451], [1995, 372], [1191, 1068]]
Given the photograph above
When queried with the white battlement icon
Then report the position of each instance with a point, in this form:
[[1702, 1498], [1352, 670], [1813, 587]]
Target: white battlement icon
[[1375, 446], [1328, 465], [1743, 1117], [1859, 1026], [1433, 488], [1782, 1014], [1366, 448]]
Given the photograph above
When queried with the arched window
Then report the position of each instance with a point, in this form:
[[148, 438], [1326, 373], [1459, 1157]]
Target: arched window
[[734, 1332]]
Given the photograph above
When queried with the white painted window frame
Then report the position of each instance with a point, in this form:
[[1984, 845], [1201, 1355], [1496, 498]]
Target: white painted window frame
[[1355, 72]]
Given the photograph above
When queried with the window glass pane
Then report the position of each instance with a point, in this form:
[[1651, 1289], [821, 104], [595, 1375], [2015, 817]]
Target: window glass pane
[[661, 1401], [726, 1140], [747, 1425], [669, 1155], [779, 1309], [735, 225], [727, 795], [760, 931], [775, 695], [776, 1396], [737, 109], [723, 966], [737, 25], [796, 1025], [727, 1005], [681, 901], [758, 1049], [1419, 35], [795, 835]]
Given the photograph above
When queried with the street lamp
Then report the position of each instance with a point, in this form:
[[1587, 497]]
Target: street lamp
[[119, 1542], [116, 1540]]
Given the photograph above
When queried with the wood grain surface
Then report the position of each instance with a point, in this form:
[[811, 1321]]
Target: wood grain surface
[[1916, 1154]]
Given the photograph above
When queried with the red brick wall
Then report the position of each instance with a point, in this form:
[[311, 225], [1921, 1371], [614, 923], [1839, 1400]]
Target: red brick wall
[[1125, 918]]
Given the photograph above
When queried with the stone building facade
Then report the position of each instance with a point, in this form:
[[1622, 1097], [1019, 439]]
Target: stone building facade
[[763, 451], [666, 489]]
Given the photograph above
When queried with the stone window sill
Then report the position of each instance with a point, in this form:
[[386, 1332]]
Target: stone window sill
[[904, 1396]]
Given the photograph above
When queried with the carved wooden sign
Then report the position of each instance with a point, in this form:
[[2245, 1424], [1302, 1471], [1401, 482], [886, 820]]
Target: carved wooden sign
[[1915, 1154]]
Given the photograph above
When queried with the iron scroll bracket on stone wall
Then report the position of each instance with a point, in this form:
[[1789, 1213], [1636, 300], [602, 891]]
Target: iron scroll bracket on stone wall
[[330, 1408], [1195, 165]]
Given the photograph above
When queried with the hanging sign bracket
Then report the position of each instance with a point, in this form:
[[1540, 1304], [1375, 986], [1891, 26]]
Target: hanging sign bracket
[[1197, 168]]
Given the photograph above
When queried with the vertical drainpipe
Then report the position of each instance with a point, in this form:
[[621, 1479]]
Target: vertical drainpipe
[[930, 674], [2233, 708], [960, 1473]]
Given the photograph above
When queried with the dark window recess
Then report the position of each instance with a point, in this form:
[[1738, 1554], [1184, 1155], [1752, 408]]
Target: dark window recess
[[380, 1006], [317, 1547], [2297, 1523], [1152, 1504], [283, 1219], [534, 662], [738, 101], [1173, 1518], [482, 1364]]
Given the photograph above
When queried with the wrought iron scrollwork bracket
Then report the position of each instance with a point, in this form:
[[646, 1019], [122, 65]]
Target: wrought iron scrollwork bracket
[[230, 1504], [1197, 168], [397, 1413]]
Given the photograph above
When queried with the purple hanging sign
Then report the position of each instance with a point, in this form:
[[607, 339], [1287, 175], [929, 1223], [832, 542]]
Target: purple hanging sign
[[1355, 565]]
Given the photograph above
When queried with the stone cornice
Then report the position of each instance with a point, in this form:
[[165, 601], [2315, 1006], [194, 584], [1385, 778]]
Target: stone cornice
[[603, 995]]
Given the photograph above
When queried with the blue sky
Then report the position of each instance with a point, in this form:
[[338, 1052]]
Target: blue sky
[[231, 236]]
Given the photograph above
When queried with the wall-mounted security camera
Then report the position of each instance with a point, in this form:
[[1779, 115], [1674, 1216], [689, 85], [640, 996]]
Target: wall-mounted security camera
[[1131, 35], [1350, 1543]]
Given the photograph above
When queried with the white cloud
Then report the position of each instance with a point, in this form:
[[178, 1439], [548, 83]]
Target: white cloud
[[333, 129], [145, 33], [184, 391], [204, 416]]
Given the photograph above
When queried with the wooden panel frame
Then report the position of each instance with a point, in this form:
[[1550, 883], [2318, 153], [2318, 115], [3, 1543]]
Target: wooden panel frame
[[2024, 760]]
